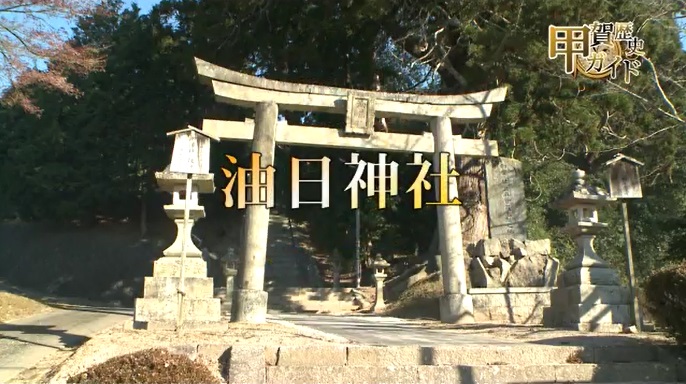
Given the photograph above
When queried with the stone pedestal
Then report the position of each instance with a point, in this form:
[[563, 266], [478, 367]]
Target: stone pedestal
[[456, 309], [588, 296], [160, 301], [249, 305]]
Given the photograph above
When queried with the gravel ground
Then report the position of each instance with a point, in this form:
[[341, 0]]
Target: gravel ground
[[119, 341]]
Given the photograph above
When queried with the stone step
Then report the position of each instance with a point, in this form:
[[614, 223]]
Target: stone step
[[450, 355], [477, 374]]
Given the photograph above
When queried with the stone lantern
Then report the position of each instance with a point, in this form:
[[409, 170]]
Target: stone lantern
[[380, 275], [588, 296], [181, 270]]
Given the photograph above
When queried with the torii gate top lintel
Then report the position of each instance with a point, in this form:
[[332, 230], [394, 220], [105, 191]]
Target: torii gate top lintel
[[245, 90], [360, 107]]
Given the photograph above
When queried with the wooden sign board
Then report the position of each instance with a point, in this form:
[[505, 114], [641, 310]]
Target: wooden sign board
[[191, 153], [506, 203], [625, 182]]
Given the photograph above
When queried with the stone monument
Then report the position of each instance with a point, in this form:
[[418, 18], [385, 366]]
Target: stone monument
[[588, 296], [179, 287], [506, 203]]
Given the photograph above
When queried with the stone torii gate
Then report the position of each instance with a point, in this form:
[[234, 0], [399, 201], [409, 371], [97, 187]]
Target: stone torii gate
[[360, 108]]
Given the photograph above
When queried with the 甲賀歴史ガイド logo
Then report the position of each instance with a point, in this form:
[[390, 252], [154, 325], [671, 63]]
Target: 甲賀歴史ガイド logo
[[597, 51]]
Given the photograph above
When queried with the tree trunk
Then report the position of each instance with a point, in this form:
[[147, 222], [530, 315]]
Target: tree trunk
[[474, 212], [472, 194]]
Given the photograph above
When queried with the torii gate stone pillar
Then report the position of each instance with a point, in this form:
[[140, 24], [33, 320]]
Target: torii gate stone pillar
[[361, 108], [455, 305], [249, 303]]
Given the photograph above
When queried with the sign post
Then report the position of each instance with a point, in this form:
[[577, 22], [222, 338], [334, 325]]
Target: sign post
[[625, 183]]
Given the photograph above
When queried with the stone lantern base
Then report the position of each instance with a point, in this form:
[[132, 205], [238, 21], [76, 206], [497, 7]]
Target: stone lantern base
[[159, 306], [589, 299], [159, 303]]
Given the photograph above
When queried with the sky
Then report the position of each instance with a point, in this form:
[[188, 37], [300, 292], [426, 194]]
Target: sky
[[144, 5]]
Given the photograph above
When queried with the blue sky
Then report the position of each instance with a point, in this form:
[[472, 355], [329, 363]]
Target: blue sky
[[144, 5]]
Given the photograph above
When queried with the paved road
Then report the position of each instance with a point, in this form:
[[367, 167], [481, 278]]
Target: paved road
[[24, 343], [376, 330]]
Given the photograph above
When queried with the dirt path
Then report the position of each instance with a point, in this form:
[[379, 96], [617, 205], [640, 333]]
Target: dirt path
[[27, 341]]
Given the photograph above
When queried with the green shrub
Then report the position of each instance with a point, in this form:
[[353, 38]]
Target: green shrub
[[665, 294]]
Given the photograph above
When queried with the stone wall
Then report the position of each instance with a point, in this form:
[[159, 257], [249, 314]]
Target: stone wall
[[510, 305], [512, 263], [513, 363]]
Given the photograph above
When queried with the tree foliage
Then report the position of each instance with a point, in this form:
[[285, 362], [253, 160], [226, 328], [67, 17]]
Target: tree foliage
[[96, 155], [29, 35]]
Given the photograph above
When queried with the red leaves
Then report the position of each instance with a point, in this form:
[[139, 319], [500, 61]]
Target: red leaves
[[31, 38]]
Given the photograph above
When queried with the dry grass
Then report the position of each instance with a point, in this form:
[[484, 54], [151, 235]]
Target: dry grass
[[420, 301], [156, 366], [16, 306]]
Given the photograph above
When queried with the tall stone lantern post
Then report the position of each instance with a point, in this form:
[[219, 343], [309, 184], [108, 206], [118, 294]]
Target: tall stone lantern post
[[179, 291], [588, 296]]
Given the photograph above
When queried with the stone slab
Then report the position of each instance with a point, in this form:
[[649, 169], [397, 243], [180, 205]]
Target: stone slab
[[169, 325], [477, 374], [593, 276], [215, 352], [165, 309], [523, 354], [342, 374], [246, 365], [598, 313], [176, 211], [194, 287], [512, 315], [594, 327], [364, 355], [552, 269], [623, 372], [506, 202], [312, 355], [597, 294], [171, 267], [512, 290], [508, 300]]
